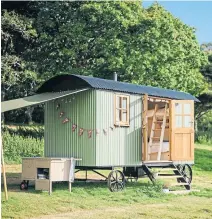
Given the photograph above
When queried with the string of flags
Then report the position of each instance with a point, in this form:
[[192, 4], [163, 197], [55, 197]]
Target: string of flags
[[81, 130]]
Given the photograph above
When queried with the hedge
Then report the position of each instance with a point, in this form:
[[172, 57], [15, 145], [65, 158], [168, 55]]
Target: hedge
[[25, 131], [15, 147]]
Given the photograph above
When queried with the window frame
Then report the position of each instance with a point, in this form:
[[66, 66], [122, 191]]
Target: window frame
[[183, 115], [121, 110]]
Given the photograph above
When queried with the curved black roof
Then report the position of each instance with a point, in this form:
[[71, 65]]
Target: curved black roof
[[72, 82]]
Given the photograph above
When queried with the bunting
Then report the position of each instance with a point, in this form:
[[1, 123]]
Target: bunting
[[80, 129]]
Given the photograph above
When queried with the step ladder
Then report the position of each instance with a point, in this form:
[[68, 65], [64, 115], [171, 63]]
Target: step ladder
[[170, 173], [157, 141]]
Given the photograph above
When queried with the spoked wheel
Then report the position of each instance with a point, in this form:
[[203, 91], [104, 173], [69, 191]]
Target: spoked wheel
[[24, 185], [187, 173], [180, 169], [116, 181]]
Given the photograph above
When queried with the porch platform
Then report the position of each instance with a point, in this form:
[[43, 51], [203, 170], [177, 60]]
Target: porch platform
[[162, 163]]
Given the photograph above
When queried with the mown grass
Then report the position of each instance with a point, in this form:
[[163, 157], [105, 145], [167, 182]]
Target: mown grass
[[93, 200], [203, 157]]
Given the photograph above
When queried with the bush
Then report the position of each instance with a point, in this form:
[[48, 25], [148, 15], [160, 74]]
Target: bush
[[204, 133], [204, 137], [16, 147], [25, 131]]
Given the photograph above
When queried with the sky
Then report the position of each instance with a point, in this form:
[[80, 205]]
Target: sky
[[197, 14]]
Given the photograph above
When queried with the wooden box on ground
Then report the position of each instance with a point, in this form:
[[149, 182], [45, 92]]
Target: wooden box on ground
[[47, 170]]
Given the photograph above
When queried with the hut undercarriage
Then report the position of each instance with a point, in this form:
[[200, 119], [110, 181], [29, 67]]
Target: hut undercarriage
[[119, 176]]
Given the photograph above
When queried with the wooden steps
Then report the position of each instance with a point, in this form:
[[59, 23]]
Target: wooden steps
[[169, 173], [183, 192], [160, 122], [179, 184], [168, 177], [167, 169], [156, 137], [159, 129]]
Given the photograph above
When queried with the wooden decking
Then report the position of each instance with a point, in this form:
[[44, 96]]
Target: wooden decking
[[157, 163]]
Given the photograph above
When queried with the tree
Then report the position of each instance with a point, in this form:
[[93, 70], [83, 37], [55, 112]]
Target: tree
[[206, 98], [85, 38], [206, 70], [98, 38], [17, 74], [171, 56]]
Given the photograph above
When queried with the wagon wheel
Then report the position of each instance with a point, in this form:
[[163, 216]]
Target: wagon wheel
[[180, 169], [23, 185], [187, 173], [116, 181]]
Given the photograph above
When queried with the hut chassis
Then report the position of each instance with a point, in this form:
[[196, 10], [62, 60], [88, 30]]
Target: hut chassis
[[117, 178]]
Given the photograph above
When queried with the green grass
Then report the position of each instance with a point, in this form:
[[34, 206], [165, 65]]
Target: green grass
[[94, 200], [84, 196], [203, 157], [203, 160]]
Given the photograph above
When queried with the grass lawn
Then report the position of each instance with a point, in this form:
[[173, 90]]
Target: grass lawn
[[93, 200]]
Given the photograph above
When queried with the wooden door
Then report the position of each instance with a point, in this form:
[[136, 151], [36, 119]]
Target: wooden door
[[182, 130]]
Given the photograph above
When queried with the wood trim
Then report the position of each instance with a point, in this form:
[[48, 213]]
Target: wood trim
[[159, 98], [182, 114], [162, 133], [170, 130], [152, 132], [121, 110], [128, 109], [192, 133], [144, 123], [4, 171], [124, 110], [114, 109]]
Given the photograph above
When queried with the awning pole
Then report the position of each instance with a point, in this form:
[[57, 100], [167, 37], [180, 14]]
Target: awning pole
[[4, 172]]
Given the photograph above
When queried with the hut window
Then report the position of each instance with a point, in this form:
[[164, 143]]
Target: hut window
[[122, 110], [183, 117]]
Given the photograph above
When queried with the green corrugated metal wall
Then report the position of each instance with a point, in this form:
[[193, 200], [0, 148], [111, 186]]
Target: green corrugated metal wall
[[122, 145], [93, 109], [60, 141]]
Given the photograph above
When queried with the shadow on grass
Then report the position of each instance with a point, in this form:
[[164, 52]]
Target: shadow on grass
[[98, 185], [91, 188], [142, 189], [203, 159]]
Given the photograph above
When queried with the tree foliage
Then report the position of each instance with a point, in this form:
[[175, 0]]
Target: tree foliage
[[144, 46], [206, 98], [86, 38], [17, 34], [170, 53], [206, 70], [18, 78], [98, 38]]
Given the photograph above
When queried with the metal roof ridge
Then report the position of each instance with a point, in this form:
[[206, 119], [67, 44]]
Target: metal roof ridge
[[138, 85]]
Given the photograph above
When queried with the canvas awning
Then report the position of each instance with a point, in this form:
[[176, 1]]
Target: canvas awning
[[35, 99]]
